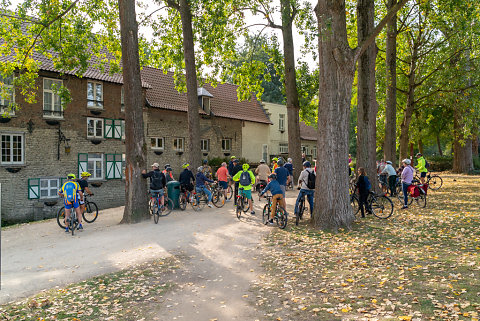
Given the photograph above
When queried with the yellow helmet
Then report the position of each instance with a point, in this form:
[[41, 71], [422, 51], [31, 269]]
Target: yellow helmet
[[71, 176], [245, 167], [85, 174], [185, 165]]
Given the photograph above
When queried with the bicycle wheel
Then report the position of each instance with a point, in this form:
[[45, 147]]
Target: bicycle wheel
[[300, 210], [239, 209], [218, 199], [150, 206], [435, 182], [73, 223], [61, 218], [202, 201], [382, 206], [355, 204], [182, 201], [421, 200], [265, 214], [195, 203], [167, 207], [400, 197], [245, 204], [156, 216], [229, 192], [281, 217], [91, 212]]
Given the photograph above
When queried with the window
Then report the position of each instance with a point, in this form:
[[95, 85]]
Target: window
[[49, 187], [178, 144], [12, 149], [305, 149], [283, 148], [281, 122], [122, 100], [114, 166], [314, 152], [7, 95], [92, 163], [205, 145], [52, 104], [94, 127], [94, 95], [206, 104], [265, 152], [157, 143], [114, 128], [226, 144]]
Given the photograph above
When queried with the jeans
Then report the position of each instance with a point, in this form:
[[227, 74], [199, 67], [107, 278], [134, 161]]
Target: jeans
[[392, 180], [199, 189], [362, 202], [309, 194], [405, 192]]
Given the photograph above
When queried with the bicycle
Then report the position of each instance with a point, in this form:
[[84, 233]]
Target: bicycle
[[199, 200], [281, 215], [415, 192], [89, 215], [261, 185], [301, 209], [434, 181], [218, 198], [380, 205], [242, 203], [184, 198], [157, 209]]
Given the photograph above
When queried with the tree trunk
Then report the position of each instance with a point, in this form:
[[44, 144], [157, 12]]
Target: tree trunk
[[390, 143], [420, 146], [191, 79], [293, 106], [439, 145], [462, 146], [475, 143], [408, 113], [136, 203], [332, 208], [367, 106]]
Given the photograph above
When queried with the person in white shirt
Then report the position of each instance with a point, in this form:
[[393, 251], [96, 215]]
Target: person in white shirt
[[303, 186], [392, 177]]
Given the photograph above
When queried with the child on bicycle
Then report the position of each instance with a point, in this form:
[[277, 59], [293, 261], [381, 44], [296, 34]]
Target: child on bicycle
[[275, 189]]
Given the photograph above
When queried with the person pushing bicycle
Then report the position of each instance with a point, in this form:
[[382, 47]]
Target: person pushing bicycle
[[72, 194], [277, 195]]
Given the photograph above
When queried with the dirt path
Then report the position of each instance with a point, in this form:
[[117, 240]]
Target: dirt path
[[223, 258]]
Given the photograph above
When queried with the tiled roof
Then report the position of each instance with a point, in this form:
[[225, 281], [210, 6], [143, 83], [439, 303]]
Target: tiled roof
[[307, 132], [223, 104]]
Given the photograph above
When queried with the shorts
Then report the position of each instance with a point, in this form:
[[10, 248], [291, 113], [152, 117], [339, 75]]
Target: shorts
[[69, 205], [423, 174], [160, 192], [246, 192], [80, 201], [223, 185], [282, 187]]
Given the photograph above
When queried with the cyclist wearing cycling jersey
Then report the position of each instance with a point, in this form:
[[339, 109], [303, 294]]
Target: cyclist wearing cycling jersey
[[277, 195], [246, 180], [186, 178], [303, 187], [201, 181], [421, 167], [157, 181], [84, 188], [72, 194]]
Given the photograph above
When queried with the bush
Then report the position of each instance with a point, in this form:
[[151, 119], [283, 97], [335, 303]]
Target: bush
[[476, 163], [440, 163]]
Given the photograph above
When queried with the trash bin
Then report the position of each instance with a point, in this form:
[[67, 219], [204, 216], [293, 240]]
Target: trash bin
[[173, 190]]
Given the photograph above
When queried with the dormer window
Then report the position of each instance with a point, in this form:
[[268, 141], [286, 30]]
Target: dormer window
[[206, 104], [204, 100]]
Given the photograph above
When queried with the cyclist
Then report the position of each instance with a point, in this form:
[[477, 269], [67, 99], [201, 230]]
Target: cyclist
[[222, 176], [289, 166], [168, 174], [262, 172], [407, 177], [282, 176], [276, 191], [421, 167], [207, 170], [157, 181], [231, 165], [305, 186], [72, 194], [363, 185], [392, 177], [236, 168], [274, 164], [246, 179], [83, 183], [186, 178], [201, 180]]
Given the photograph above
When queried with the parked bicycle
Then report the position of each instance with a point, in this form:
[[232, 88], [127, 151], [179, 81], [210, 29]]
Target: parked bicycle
[[380, 205], [280, 217], [157, 209], [89, 215], [417, 193], [434, 181], [242, 203]]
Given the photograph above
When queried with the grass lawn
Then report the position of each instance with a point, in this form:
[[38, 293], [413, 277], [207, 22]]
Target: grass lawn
[[420, 264]]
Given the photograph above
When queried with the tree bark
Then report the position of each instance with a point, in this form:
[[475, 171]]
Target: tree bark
[[191, 80], [332, 208], [475, 143], [136, 203], [420, 146], [462, 146], [293, 105], [408, 113], [367, 106], [439, 145], [390, 143]]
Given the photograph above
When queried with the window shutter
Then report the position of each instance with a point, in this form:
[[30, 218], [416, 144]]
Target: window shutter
[[109, 166], [117, 129], [118, 166], [123, 129], [82, 163], [33, 188], [109, 128]]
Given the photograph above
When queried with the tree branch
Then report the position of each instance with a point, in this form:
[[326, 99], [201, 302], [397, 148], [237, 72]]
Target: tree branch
[[151, 14], [173, 4]]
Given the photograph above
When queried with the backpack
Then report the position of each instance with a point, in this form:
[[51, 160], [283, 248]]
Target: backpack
[[427, 165], [156, 180], [70, 190], [245, 179], [311, 180], [368, 186]]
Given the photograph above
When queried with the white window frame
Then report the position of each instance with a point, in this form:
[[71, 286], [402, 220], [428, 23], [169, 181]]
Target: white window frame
[[84, 165], [49, 187], [305, 149], [95, 127], [157, 145], [94, 103], [11, 149], [314, 152], [281, 122], [176, 142], [205, 145], [51, 113], [206, 104], [283, 148], [7, 88], [226, 141]]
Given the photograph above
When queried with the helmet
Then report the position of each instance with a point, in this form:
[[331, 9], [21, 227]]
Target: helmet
[[85, 174], [235, 160], [205, 161], [71, 176], [419, 154], [167, 165], [245, 167], [389, 162], [262, 161], [307, 164], [289, 160], [233, 157], [272, 176], [200, 169], [280, 162], [406, 161], [274, 159], [169, 169], [185, 165]]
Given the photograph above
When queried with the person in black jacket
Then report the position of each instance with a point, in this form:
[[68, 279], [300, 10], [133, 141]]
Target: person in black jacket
[[157, 181], [363, 185], [236, 168], [186, 178]]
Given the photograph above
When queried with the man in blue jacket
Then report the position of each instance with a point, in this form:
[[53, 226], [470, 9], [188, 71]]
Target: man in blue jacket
[[200, 180]]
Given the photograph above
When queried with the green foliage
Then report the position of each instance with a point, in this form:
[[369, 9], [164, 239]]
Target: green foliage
[[440, 163], [476, 162]]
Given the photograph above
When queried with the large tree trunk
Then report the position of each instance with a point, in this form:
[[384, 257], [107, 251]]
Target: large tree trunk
[[332, 208], [408, 113], [439, 145], [367, 106], [420, 146], [475, 143], [390, 143], [462, 146], [191, 79], [136, 203], [293, 106]]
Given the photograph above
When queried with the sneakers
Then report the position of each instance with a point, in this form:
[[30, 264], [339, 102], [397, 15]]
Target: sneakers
[[270, 222], [209, 205], [80, 227], [404, 207], [252, 212], [66, 230]]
